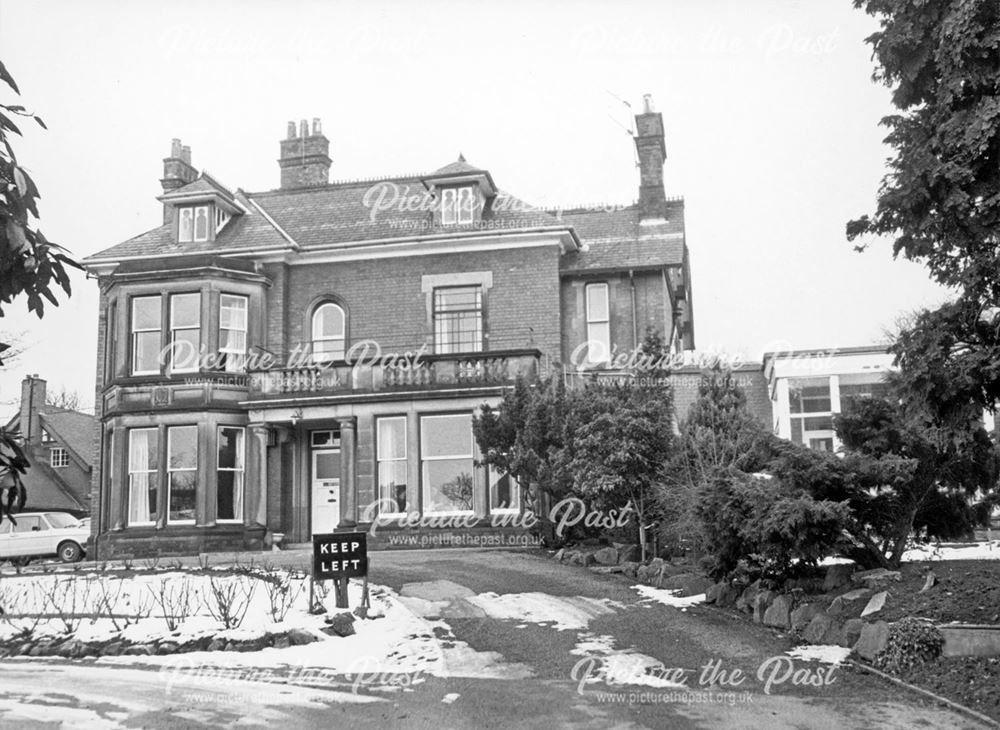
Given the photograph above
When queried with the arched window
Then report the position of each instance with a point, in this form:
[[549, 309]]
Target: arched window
[[328, 331]]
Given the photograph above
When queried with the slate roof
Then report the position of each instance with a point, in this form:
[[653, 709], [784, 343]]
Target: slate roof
[[345, 213], [613, 238]]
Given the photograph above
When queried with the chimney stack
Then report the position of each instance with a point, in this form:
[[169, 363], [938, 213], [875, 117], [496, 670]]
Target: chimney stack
[[652, 150], [177, 171], [32, 399], [305, 158]]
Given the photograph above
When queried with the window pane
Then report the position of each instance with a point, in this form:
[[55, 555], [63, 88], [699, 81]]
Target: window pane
[[183, 447], [183, 485], [599, 342], [146, 357], [142, 449], [448, 485], [230, 448], [797, 430], [226, 493], [446, 436], [466, 205], [184, 349], [391, 438], [185, 310], [201, 223], [823, 423], [327, 466], [233, 312], [28, 524], [448, 206], [145, 313], [392, 483], [597, 302], [186, 225]]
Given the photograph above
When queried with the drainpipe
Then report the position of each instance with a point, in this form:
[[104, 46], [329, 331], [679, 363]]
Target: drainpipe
[[635, 322], [669, 322]]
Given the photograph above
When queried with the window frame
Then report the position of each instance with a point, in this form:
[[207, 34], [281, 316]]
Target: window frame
[[593, 322], [424, 459], [134, 350], [170, 470], [174, 329], [238, 470], [238, 362], [63, 461], [324, 357], [441, 315], [155, 471], [193, 237], [394, 460]]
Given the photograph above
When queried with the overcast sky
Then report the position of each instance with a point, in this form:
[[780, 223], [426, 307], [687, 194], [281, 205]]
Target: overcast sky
[[770, 114]]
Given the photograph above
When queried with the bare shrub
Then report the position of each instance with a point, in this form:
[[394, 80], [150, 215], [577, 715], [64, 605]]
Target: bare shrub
[[229, 599], [69, 599], [152, 563], [173, 596], [321, 589], [283, 589]]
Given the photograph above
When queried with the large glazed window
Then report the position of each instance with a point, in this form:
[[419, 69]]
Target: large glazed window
[[446, 458], [329, 325]]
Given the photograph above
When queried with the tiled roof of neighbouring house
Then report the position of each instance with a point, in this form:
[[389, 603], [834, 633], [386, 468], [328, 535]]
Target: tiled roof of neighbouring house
[[346, 213]]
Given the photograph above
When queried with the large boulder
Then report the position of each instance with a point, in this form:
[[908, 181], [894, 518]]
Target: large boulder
[[577, 557], [877, 576], [818, 628], [341, 624], [852, 632], [761, 602], [628, 553], [876, 604], [837, 576], [298, 637], [728, 596], [606, 556], [746, 599], [872, 640], [630, 569], [802, 615], [778, 613]]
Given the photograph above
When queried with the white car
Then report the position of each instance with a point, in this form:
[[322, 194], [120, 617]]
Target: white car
[[43, 535]]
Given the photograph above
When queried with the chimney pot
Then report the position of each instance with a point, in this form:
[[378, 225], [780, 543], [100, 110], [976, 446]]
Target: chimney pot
[[291, 130], [647, 104], [303, 128], [317, 127], [186, 154], [175, 147]]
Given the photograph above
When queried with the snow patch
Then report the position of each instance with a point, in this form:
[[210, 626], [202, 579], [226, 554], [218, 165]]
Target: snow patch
[[564, 612], [826, 653], [603, 663], [668, 597]]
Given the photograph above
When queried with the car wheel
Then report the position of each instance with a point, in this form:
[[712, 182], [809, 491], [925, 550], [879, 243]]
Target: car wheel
[[70, 552]]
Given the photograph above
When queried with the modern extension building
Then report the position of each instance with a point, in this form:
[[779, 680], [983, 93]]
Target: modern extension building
[[306, 358]]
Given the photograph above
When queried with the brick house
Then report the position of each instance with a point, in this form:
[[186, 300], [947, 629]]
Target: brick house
[[59, 444], [300, 359]]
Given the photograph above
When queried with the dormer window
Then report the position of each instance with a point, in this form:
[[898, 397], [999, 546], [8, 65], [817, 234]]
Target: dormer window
[[458, 206], [192, 224]]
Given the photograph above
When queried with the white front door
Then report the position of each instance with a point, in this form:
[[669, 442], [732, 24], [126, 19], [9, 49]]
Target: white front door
[[325, 490]]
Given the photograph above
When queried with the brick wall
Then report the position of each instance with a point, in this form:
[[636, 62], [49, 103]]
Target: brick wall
[[652, 309], [384, 300], [751, 379]]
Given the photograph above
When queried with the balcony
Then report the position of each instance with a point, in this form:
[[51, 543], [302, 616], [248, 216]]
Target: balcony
[[416, 373]]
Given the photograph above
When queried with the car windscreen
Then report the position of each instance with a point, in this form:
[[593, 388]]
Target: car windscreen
[[61, 519]]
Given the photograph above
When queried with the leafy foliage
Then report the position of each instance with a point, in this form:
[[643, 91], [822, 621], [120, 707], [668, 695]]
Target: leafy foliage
[[940, 201], [911, 641], [30, 265]]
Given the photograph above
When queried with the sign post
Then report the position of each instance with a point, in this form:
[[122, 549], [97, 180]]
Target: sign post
[[338, 556]]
